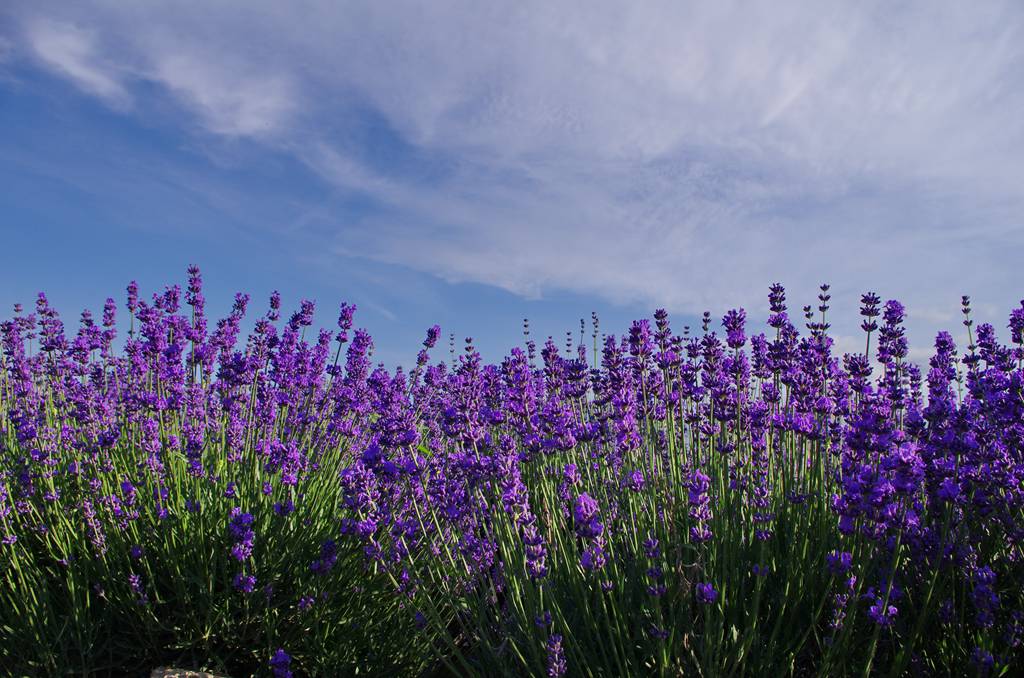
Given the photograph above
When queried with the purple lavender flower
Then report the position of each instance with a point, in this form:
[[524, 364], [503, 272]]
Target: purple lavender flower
[[839, 562], [585, 513], [432, 335], [593, 557], [556, 657], [345, 317], [982, 660], [706, 593], [245, 583], [700, 511], [274, 314], [328, 557], [135, 584], [734, 322], [245, 536], [281, 663], [636, 481], [880, 612], [869, 309], [133, 297]]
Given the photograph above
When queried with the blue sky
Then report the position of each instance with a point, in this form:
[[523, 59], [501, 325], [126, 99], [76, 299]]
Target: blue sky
[[445, 162]]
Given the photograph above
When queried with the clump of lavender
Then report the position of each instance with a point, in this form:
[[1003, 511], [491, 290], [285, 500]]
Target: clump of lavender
[[152, 480]]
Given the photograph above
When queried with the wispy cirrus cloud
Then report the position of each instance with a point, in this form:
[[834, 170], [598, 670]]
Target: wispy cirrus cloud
[[678, 154], [225, 94], [227, 99], [72, 52]]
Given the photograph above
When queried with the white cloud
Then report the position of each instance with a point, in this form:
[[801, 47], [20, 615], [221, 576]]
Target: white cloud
[[72, 52], [228, 95], [679, 154], [228, 101]]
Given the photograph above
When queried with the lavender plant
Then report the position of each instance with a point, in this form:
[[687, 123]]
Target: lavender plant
[[694, 506], [178, 500], [657, 504]]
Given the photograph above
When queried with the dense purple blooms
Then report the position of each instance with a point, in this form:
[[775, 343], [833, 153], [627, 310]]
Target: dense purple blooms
[[583, 489]]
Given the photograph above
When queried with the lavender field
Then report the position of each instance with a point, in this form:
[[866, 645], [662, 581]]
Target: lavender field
[[720, 500]]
